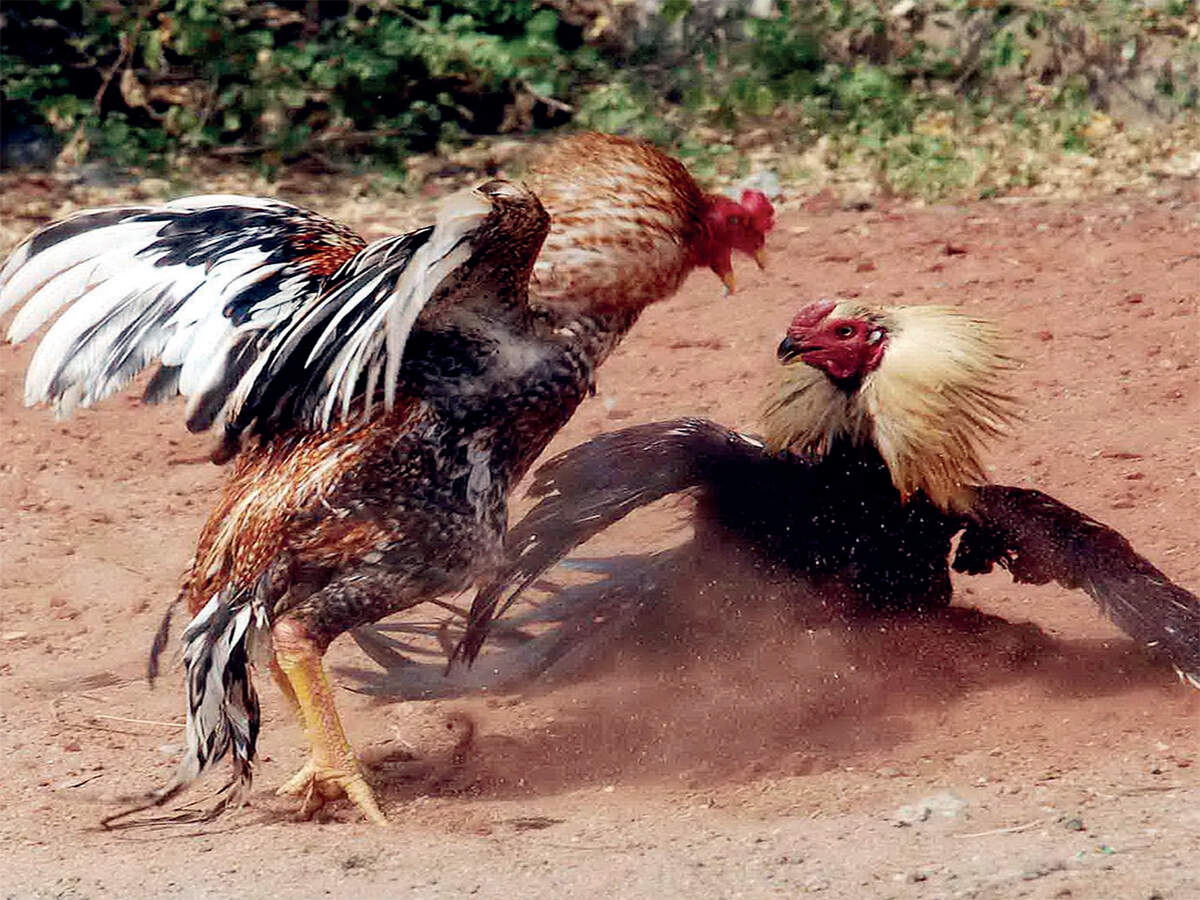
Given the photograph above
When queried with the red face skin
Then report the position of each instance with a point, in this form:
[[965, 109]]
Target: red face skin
[[847, 350], [731, 225]]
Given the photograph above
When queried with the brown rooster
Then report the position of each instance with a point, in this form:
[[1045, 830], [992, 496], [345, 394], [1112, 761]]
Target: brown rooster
[[391, 392], [870, 465]]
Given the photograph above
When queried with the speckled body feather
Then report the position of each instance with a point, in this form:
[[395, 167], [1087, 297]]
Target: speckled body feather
[[416, 497]]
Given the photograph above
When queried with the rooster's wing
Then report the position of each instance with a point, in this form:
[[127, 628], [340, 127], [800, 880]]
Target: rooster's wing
[[1039, 540], [187, 283], [256, 309]]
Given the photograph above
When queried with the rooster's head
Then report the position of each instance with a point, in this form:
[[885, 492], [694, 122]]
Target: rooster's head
[[736, 225], [846, 348], [922, 384]]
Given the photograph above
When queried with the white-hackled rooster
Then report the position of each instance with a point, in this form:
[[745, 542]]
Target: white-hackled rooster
[[869, 465], [379, 398]]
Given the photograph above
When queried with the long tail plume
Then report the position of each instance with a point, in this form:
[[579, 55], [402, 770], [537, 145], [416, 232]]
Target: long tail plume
[[222, 712], [591, 486]]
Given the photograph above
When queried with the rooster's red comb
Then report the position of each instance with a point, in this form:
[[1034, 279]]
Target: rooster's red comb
[[811, 315], [761, 212]]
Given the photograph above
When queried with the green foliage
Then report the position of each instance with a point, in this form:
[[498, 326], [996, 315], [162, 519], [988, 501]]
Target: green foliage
[[352, 80], [273, 78]]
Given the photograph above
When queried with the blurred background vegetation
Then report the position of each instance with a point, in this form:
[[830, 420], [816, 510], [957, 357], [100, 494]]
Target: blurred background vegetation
[[916, 98]]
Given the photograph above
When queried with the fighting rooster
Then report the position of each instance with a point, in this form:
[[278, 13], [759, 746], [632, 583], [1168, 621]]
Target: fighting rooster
[[379, 399], [869, 465]]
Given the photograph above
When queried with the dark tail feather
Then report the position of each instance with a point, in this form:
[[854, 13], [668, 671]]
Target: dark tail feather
[[161, 637], [223, 712], [1038, 539], [584, 621], [592, 486]]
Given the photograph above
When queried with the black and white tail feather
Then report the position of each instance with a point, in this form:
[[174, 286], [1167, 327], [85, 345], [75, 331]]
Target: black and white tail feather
[[257, 311], [220, 644]]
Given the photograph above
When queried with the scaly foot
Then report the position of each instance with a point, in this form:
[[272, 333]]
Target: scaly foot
[[332, 770], [317, 784]]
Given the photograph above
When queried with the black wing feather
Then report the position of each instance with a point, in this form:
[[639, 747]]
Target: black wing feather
[[1039, 540], [163, 385], [285, 391]]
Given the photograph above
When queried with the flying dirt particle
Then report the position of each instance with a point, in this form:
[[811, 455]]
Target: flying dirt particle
[[532, 823]]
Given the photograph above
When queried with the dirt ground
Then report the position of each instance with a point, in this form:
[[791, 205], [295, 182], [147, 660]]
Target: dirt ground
[[1004, 760]]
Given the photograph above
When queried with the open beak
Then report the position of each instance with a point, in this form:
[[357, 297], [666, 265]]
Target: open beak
[[730, 283], [760, 257], [788, 350]]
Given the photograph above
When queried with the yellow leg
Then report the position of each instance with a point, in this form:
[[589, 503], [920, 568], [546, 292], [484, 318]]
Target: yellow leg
[[285, 688], [333, 770]]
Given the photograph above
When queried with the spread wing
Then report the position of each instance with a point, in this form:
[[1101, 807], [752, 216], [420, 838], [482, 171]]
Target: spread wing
[[349, 340], [188, 283], [591, 486], [256, 309], [1038, 540]]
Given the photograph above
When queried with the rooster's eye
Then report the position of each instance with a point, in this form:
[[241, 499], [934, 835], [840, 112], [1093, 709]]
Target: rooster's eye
[[735, 221], [844, 331]]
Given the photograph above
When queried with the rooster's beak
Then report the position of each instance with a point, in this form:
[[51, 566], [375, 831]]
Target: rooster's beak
[[760, 257], [788, 350]]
